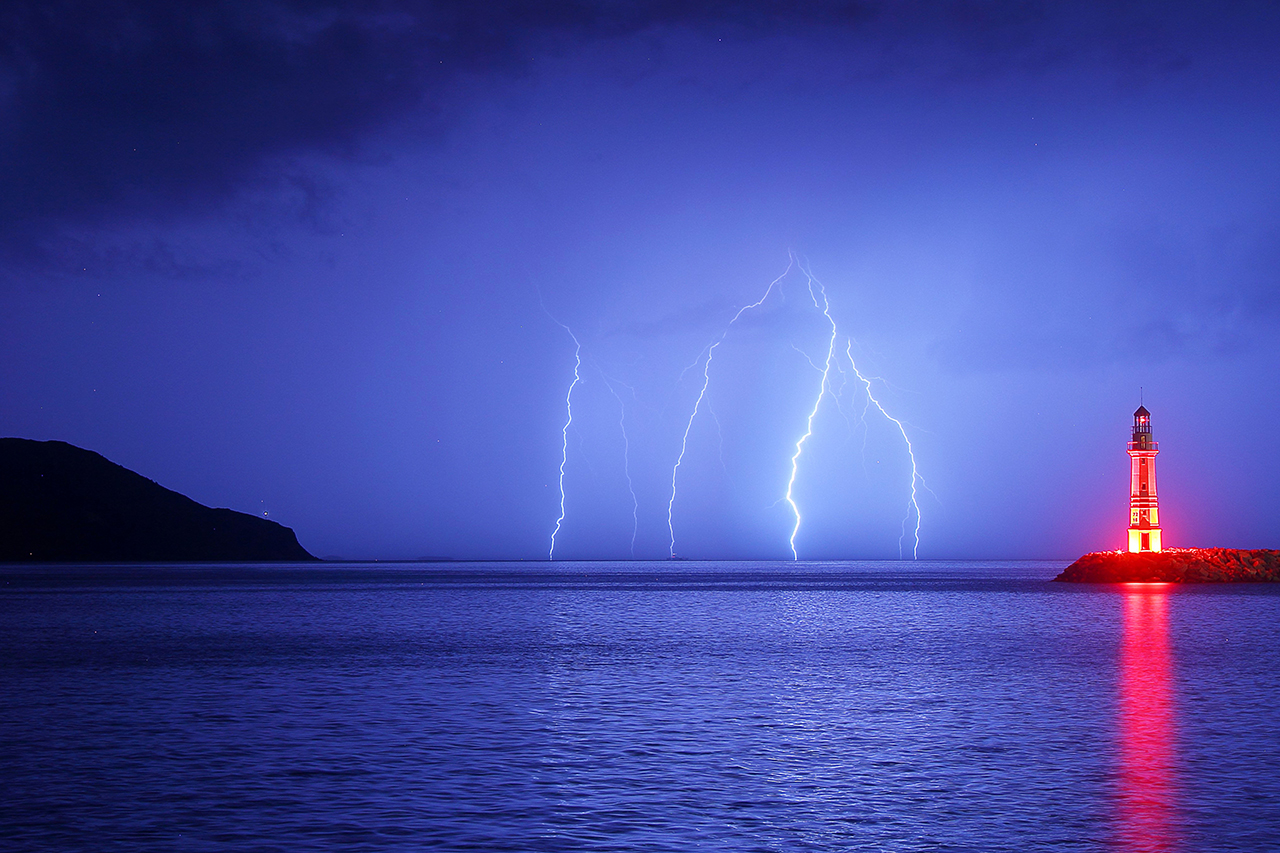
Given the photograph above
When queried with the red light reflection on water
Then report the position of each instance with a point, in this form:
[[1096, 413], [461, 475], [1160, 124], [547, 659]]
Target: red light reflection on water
[[1146, 725]]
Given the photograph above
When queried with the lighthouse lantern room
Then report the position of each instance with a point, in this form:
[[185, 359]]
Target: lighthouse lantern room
[[1144, 514]]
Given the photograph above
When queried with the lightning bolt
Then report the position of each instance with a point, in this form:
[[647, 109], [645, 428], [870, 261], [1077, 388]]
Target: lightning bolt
[[626, 458], [564, 432], [825, 308], [913, 506], [702, 393]]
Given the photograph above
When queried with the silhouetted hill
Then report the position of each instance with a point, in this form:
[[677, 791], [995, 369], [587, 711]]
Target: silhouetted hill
[[1175, 565], [61, 503]]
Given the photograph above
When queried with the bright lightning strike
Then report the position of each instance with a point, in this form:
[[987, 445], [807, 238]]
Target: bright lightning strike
[[825, 308], [564, 432], [913, 507], [702, 393]]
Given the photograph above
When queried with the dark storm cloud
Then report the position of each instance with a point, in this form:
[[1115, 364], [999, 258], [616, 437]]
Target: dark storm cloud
[[139, 104], [145, 106]]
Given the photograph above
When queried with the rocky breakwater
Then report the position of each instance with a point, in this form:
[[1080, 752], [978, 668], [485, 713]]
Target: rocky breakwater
[[1175, 565]]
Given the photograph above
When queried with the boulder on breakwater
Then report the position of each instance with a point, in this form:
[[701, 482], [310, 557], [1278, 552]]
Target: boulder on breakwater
[[1176, 565]]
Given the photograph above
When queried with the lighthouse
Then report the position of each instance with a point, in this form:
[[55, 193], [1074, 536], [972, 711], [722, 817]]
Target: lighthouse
[[1144, 514]]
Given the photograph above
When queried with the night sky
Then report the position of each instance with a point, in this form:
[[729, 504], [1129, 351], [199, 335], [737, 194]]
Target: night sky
[[312, 259]]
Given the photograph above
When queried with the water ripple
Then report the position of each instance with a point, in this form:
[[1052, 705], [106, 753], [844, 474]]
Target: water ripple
[[637, 707]]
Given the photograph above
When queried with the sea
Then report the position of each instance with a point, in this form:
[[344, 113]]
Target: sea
[[633, 706]]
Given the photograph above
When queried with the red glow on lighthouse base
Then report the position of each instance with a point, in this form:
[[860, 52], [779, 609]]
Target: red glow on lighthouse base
[[1144, 540]]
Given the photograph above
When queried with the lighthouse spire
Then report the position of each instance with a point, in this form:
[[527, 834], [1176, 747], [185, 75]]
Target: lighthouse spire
[[1144, 512]]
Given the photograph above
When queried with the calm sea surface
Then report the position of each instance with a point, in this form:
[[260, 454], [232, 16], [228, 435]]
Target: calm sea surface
[[634, 706]]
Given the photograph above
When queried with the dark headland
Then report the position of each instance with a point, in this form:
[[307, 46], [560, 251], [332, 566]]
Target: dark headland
[[1175, 565], [61, 503]]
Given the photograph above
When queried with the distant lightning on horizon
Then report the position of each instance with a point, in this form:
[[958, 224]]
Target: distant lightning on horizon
[[626, 456], [564, 431], [913, 506], [823, 386], [702, 393], [821, 303]]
